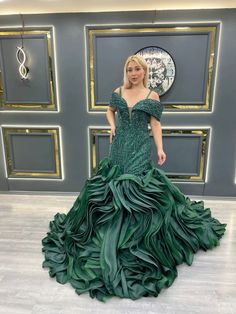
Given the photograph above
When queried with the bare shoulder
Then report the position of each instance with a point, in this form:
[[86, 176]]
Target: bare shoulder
[[117, 90], [154, 95]]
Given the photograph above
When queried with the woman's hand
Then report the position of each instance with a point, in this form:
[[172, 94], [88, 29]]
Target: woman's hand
[[161, 157], [112, 133]]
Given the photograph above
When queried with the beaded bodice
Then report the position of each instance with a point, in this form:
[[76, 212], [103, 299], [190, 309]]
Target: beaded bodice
[[131, 146]]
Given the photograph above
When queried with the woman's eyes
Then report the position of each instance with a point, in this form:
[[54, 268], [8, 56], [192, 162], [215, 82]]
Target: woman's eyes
[[136, 69]]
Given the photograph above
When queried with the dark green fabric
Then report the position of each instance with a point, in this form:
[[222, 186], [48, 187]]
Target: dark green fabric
[[130, 226], [131, 147]]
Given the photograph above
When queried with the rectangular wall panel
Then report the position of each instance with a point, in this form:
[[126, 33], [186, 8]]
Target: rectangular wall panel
[[186, 152], [37, 91], [183, 45], [32, 152]]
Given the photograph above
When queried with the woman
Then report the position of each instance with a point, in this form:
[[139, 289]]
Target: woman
[[135, 92], [130, 226]]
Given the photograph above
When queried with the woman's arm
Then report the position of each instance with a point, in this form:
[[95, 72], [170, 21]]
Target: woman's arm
[[110, 115], [157, 135]]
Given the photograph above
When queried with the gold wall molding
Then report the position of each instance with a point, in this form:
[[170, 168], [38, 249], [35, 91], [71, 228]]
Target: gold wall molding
[[13, 173], [211, 30], [204, 134], [51, 106]]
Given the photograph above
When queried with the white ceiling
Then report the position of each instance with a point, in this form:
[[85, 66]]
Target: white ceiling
[[55, 6]]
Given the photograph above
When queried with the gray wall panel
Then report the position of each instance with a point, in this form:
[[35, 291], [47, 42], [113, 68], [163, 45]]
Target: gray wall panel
[[190, 53], [32, 152], [102, 146], [183, 151], [183, 154], [37, 88]]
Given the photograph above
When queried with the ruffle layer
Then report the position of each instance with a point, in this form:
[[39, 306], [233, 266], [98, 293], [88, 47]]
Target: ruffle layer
[[125, 235]]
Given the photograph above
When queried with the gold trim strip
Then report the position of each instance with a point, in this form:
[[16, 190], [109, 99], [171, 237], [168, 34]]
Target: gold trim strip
[[203, 133], [43, 174], [191, 29], [31, 106]]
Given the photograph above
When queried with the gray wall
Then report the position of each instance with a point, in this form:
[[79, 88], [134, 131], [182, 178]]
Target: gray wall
[[74, 98]]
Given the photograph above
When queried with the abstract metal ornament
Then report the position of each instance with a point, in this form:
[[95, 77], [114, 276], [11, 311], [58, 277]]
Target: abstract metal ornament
[[21, 58], [161, 68]]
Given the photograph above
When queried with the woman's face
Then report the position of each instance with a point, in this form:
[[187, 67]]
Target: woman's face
[[135, 73]]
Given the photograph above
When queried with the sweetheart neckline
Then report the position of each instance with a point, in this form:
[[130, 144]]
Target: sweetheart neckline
[[131, 107]]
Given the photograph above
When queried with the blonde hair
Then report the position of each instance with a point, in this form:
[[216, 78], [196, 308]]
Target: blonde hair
[[141, 61]]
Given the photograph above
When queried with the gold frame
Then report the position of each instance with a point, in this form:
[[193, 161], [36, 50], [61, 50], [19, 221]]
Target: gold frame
[[31, 106], [195, 178], [188, 107], [23, 174]]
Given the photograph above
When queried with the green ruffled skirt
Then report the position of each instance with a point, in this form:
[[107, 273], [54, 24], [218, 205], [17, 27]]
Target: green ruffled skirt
[[125, 235]]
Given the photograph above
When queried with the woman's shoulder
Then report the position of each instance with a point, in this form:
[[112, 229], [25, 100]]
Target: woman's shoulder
[[118, 89], [154, 95]]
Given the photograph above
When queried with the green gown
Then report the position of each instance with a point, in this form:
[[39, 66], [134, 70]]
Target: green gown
[[130, 226]]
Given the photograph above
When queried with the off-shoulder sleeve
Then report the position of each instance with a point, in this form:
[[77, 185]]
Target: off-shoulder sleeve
[[113, 101], [152, 107]]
